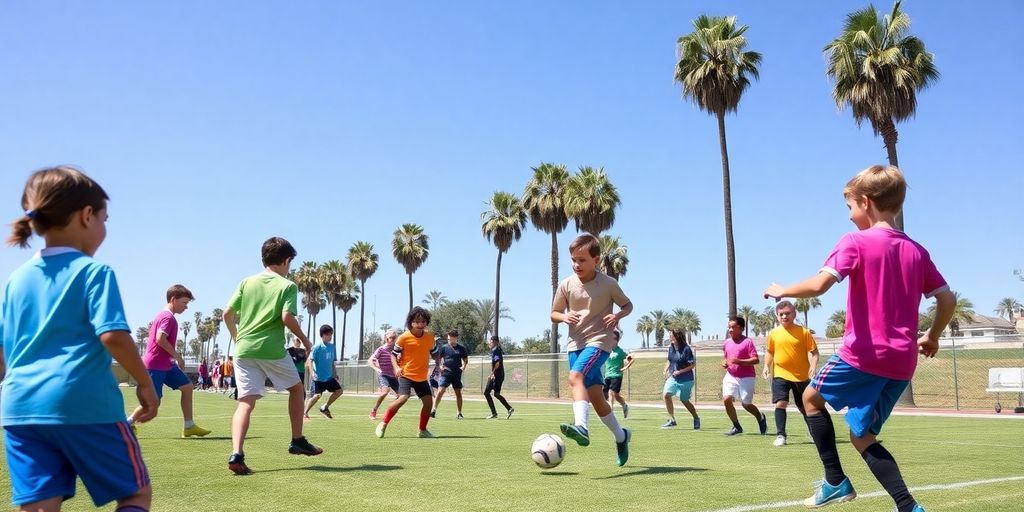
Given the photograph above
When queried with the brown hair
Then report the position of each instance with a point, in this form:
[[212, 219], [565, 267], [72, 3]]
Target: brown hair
[[883, 185], [178, 291], [51, 196], [588, 242]]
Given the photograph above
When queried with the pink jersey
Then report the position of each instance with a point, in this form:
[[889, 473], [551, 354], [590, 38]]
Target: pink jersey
[[156, 358], [383, 356], [743, 350], [888, 274]]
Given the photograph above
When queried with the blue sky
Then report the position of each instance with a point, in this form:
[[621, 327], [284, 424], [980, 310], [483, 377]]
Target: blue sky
[[215, 125]]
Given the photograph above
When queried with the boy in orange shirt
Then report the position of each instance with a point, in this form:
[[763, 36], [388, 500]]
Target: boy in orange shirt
[[411, 359]]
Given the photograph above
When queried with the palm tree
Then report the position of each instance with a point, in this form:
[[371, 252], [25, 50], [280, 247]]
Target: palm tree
[[805, 305], [362, 262], [313, 303], [614, 256], [435, 299], [836, 326], [215, 320], [142, 337], [334, 277], [502, 223], [1008, 307], [747, 312], [762, 323], [306, 279], [347, 298], [590, 200], [687, 320], [714, 71], [543, 200], [485, 315], [963, 311], [410, 247], [660, 320], [186, 327], [644, 327], [877, 70]]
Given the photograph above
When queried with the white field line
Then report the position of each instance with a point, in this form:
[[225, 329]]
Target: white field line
[[877, 494]]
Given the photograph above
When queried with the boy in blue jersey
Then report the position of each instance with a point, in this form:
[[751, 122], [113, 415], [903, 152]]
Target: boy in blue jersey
[[324, 375], [62, 320]]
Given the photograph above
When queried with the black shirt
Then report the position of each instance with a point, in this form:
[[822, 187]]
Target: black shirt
[[453, 356], [497, 356], [298, 356]]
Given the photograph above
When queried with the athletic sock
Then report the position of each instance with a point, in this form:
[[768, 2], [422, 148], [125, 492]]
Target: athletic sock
[[780, 421], [613, 424], [424, 418], [190, 424], [887, 472], [823, 432], [388, 414], [581, 412]]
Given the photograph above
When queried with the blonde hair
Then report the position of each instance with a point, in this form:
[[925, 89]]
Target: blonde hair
[[883, 185], [50, 197]]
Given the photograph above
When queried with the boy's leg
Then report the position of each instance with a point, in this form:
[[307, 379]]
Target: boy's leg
[[240, 422], [47, 505], [730, 411], [879, 460], [310, 402], [335, 395], [780, 397], [437, 399], [186, 403], [487, 394], [141, 500], [295, 393], [427, 404], [458, 399], [669, 406], [823, 432]]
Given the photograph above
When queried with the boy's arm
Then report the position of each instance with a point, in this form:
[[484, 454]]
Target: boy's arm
[[611, 321], [813, 286], [165, 343], [122, 348], [394, 364], [629, 362], [372, 363], [293, 325], [813, 360], [465, 363], [231, 322], [945, 304]]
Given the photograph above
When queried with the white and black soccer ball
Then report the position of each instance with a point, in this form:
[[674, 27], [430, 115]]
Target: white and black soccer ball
[[548, 451]]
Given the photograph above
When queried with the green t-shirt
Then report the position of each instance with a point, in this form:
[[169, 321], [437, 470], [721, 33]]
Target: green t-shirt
[[259, 302], [613, 368]]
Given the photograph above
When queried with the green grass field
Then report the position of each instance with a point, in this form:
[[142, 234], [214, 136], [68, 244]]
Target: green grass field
[[478, 464]]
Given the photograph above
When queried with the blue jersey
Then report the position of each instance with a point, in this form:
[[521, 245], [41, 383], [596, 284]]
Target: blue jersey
[[497, 360], [322, 359], [679, 359], [452, 357], [54, 309]]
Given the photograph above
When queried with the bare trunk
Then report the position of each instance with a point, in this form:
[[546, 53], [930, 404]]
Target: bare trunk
[[334, 327], [889, 136], [344, 324], [497, 297], [730, 247], [553, 370], [410, 291], [362, 318]]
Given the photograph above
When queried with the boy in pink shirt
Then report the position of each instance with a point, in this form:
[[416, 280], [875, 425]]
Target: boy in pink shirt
[[739, 359], [888, 273]]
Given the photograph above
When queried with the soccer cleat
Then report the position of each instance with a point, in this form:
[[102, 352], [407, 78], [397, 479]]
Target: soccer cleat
[[373, 414], [236, 463], [301, 446], [780, 440], [433, 413], [762, 424], [669, 424], [510, 411], [576, 433], [734, 431], [194, 430], [425, 434], [460, 417], [918, 508], [491, 416], [625, 411], [326, 412], [622, 449], [827, 494], [381, 427], [696, 423]]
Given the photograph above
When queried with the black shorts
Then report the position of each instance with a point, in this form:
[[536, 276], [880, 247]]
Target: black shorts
[[406, 386], [613, 384], [781, 388], [433, 382], [387, 381], [319, 386], [453, 379]]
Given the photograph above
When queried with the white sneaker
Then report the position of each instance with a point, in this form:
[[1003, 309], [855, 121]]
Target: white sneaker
[[780, 440], [625, 411]]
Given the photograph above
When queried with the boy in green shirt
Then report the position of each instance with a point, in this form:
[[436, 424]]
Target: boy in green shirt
[[618, 362], [263, 305]]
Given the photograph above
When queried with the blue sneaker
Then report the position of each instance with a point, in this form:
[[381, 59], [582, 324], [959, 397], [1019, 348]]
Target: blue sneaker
[[622, 449], [696, 423], [576, 433], [827, 494], [918, 507]]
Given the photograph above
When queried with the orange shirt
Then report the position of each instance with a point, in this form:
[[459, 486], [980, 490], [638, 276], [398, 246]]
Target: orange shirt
[[227, 368], [414, 355], [790, 348]]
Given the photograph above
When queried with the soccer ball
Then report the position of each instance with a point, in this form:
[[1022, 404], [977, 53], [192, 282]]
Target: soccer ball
[[548, 450]]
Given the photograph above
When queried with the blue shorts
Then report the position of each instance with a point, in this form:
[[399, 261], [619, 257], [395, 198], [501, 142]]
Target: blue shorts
[[453, 379], [44, 461], [681, 389], [388, 381], [589, 362], [869, 398], [173, 378]]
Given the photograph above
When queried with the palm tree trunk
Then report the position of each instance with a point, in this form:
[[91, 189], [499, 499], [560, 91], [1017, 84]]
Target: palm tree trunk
[[344, 324], [410, 291], [805, 320], [334, 325], [889, 136], [309, 325], [553, 370], [497, 295], [730, 247], [362, 317]]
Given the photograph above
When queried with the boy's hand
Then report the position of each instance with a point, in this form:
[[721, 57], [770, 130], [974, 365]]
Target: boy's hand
[[148, 402], [766, 373], [572, 318], [725, 364], [611, 321], [927, 346], [773, 291]]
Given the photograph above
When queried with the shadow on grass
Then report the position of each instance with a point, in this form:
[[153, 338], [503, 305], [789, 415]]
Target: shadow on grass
[[334, 469], [212, 438], [559, 473], [653, 470]]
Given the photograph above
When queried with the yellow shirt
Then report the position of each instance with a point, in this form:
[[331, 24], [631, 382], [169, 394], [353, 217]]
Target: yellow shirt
[[790, 349], [414, 355]]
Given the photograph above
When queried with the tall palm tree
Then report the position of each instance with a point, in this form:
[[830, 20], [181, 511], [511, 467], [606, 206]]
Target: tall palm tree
[[216, 317], [590, 200], [687, 320], [1008, 307], [660, 320], [614, 256], [878, 69], [836, 324], [410, 247], [644, 327], [435, 300], [362, 263], [805, 305], [543, 199], [347, 298], [485, 313], [306, 279], [334, 276], [313, 303], [963, 311], [715, 70], [186, 327], [747, 312], [502, 223]]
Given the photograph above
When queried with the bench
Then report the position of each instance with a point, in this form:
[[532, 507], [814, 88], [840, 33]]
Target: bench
[[1007, 380]]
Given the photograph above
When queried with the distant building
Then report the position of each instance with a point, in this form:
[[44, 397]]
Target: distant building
[[986, 329]]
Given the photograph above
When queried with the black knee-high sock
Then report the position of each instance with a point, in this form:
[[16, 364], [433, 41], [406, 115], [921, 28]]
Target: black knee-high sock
[[824, 434], [887, 472], [780, 421]]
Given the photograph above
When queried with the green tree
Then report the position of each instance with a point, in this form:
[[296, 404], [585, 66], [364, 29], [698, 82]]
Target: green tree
[[963, 312], [805, 305], [544, 202], [660, 320], [435, 299], [370, 343], [590, 200], [687, 320], [347, 298], [748, 313], [186, 327], [307, 280], [761, 323], [714, 70], [644, 327], [614, 256], [463, 316], [142, 337], [410, 247], [836, 326], [334, 277], [502, 223], [1008, 307], [484, 314], [877, 70], [362, 263]]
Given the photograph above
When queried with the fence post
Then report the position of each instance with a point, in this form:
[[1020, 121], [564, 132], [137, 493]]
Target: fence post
[[956, 380], [527, 375]]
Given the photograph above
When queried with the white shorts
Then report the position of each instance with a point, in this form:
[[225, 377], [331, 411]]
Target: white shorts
[[251, 374], [742, 388]]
